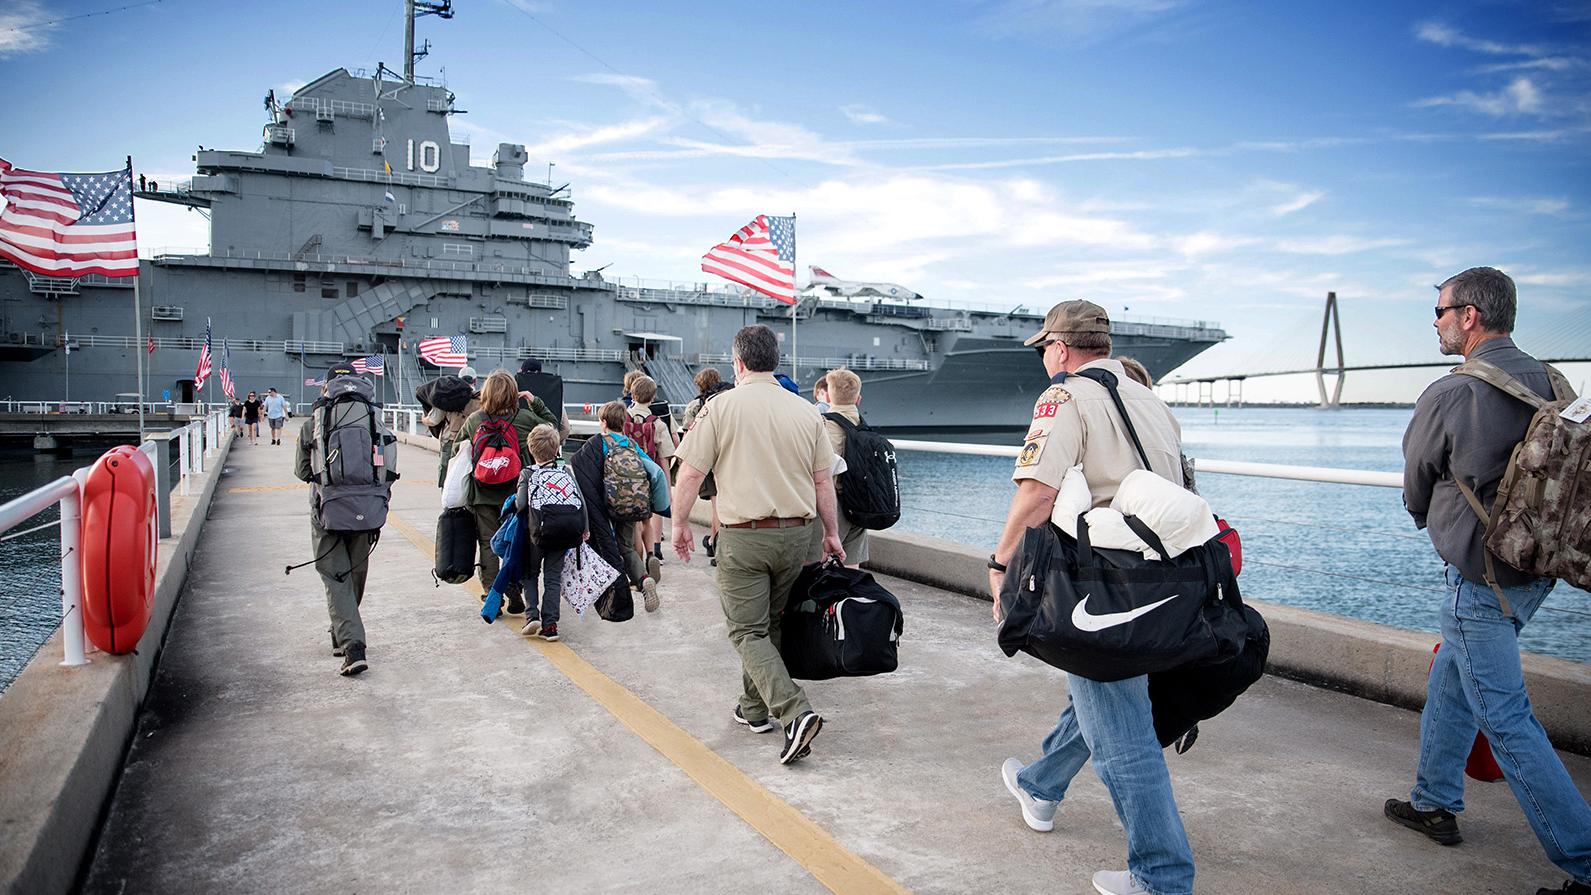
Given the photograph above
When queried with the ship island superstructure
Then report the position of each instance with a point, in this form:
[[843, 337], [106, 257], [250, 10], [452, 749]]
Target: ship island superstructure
[[360, 226]]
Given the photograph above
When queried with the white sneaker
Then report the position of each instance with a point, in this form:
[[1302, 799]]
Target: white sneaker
[[1117, 882], [649, 592], [1038, 813]]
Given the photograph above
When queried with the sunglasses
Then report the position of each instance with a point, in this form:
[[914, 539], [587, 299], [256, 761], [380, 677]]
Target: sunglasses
[[1443, 309], [1044, 346]]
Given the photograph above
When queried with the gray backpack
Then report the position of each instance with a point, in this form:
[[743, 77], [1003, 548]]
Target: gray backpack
[[354, 459], [1540, 522]]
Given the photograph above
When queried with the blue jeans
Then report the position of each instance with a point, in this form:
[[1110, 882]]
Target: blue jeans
[[1477, 684], [550, 565], [1113, 723]]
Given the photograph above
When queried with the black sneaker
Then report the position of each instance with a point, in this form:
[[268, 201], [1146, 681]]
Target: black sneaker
[[1439, 825], [354, 660], [516, 603], [710, 545], [798, 737], [1570, 887], [762, 726], [549, 631]]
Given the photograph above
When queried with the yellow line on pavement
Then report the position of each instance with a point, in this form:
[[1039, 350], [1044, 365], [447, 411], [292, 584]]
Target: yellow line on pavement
[[830, 863]]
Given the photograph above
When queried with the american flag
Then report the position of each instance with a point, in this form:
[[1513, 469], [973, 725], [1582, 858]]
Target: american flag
[[760, 255], [226, 372], [445, 351], [375, 364], [68, 225], [202, 375]]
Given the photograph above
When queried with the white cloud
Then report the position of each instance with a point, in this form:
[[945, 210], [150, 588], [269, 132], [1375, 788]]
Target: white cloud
[[642, 90], [1520, 97], [1577, 279], [288, 88], [597, 136], [1545, 63], [1298, 203], [1206, 242], [1079, 21], [1338, 244], [23, 28], [1523, 204], [1446, 36], [859, 114], [1136, 155]]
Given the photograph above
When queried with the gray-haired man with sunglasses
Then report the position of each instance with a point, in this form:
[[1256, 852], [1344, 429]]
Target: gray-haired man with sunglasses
[[1465, 430]]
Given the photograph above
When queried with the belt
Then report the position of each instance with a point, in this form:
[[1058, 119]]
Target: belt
[[771, 522]]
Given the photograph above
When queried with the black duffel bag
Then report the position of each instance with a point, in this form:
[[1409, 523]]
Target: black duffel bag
[[839, 622], [455, 545], [1109, 615], [1182, 697]]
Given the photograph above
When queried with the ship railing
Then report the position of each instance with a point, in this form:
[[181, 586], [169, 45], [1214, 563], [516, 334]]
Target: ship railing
[[379, 176], [196, 441], [334, 106], [861, 362], [181, 343], [538, 274], [85, 407], [604, 355]]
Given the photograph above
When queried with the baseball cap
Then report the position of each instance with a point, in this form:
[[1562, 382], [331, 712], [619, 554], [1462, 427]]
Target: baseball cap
[[530, 366], [340, 370], [468, 373], [1072, 317]]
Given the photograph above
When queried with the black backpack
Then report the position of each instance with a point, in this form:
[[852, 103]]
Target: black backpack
[[556, 509], [456, 539], [870, 496], [839, 623]]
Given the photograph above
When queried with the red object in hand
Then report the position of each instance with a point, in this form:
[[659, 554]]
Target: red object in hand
[[1233, 542], [1482, 764]]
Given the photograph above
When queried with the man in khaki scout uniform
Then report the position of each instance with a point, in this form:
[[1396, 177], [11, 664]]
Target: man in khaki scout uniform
[[1075, 422], [845, 389], [767, 450]]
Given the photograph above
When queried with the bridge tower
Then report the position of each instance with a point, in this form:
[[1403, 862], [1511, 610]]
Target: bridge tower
[[1331, 322]]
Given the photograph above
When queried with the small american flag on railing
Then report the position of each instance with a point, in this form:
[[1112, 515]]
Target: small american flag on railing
[[375, 364]]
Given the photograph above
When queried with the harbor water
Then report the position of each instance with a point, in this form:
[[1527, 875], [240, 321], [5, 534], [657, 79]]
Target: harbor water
[[1342, 549]]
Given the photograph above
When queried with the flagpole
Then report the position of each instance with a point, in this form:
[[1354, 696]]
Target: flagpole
[[795, 316], [67, 347], [138, 320], [209, 381]]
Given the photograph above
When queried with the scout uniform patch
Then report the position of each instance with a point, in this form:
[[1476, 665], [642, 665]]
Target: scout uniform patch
[[1044, 411]]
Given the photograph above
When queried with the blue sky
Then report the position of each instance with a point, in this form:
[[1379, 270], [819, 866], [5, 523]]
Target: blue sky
[[1222, 161]]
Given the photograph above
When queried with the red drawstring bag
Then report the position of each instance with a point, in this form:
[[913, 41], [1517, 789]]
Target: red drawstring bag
[[1482, 764], [1233, 542]]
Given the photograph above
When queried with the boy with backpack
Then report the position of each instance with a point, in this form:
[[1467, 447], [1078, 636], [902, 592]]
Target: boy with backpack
[[868, 491], [555, 523], [628, 487], [650, 432], [351, 460], [496, 434]]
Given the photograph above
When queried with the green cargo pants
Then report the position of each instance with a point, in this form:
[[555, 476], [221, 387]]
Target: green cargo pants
[[756, 569], [346, 557]]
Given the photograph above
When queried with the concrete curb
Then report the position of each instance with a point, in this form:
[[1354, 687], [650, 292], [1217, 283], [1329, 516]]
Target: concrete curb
[[67, 730], [1365, 659], [1368, 660]]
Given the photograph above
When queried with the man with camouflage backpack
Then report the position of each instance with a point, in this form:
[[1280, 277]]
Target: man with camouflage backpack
[[1504, 522], [350, 460]]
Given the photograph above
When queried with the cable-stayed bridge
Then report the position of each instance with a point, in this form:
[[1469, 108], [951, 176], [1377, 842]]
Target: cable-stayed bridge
[[1564, 345]]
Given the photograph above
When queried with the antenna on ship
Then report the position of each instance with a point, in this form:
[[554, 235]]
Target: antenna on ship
[[413, 9]]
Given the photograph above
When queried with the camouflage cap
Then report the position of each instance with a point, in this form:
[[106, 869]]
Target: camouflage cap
[[1072, 317]]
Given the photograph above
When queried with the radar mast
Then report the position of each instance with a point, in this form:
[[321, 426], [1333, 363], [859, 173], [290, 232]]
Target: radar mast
[[413, 9]]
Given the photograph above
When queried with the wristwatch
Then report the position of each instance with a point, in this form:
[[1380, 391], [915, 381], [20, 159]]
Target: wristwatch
[[995, 564]]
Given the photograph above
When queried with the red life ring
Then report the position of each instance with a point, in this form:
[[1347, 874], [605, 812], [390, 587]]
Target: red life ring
[[117, 546]]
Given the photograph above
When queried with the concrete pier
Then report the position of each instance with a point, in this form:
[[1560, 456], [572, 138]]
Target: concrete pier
[[471, 759]]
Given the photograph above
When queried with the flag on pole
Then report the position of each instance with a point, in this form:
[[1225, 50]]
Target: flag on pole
[[445, 351], [68, 225], [151, 344], [202, 374], [226, 372], [375, 364], [760, 255]]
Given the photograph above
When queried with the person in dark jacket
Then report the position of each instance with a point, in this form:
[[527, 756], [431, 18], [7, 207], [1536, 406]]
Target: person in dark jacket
[[588, 466], [1464, 431]]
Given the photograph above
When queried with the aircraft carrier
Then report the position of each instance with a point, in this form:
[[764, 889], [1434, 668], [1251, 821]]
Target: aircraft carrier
[[360, 226]]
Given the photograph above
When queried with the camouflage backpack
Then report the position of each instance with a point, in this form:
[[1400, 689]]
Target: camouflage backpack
[[624, 481], [1540, 522]]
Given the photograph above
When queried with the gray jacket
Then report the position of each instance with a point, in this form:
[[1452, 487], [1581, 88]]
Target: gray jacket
[[1464, 428]]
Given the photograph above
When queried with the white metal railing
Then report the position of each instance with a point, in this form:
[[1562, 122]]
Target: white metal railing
[[180, 343], [81, 407], [193, 255], [197, 440], [1326, 474], [864, 362]]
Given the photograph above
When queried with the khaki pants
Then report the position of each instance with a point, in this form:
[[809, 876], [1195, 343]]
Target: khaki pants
[[853, 538], [756, 569], [634, 562], [345, 557]]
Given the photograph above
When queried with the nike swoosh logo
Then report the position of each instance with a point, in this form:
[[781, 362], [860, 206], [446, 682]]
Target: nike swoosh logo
[[1083, 620]]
